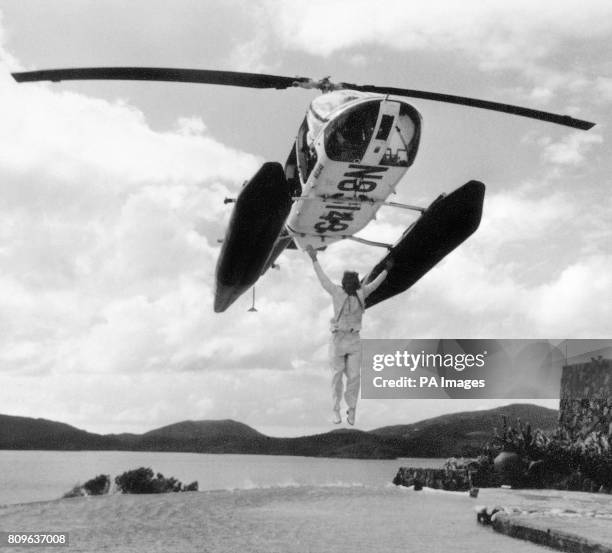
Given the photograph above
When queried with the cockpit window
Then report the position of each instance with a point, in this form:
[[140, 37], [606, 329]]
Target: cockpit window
[[348, 139], [385, 127], [399, 139]]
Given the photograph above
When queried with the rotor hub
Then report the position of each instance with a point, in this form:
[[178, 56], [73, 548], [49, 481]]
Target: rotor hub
[[324, 84]]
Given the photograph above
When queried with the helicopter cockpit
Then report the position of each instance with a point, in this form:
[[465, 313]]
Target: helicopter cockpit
[[348, 139], [400, 136], [373, 131], [381, 133]]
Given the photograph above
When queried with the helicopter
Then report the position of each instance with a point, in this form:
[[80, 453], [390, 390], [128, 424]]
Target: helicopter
[[353, 147]]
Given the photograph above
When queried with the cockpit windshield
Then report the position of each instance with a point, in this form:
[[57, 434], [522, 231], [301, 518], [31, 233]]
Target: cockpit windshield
[[399, 134], [348, 139]]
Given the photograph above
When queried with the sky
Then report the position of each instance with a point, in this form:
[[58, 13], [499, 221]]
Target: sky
[[111, 200]]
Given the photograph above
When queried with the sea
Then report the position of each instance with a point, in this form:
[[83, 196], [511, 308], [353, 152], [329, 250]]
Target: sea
[[28, 476]]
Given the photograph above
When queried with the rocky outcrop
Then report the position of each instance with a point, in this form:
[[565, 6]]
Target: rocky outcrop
[[455, 476]]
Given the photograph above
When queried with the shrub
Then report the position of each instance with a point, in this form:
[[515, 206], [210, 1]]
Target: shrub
[[77, 491], [142, 480], [98, 485], [559, 461]]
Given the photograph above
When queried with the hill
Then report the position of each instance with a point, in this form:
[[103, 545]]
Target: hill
[[207, 435], [464, 433], [443, 436], [28, 433]]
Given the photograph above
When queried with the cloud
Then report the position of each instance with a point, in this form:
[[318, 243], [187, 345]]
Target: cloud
[[541, 41], [579, 299], [490, 299], [526, 272], [500, 30], [571, 150], [603, 88], [70, 136], [104, 219], [523, 214]]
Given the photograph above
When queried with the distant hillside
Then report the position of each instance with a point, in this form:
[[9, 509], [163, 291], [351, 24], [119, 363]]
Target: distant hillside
[[444, 436], [224, 436], [204, 430], [464, 433], [27, 433]]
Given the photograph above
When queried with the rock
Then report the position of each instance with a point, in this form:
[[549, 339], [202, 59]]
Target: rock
[[459, 479], [485, 515], [508, 465]]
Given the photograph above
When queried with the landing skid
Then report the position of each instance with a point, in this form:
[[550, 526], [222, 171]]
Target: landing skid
[[368, 242], [444, 225], [357, 200]]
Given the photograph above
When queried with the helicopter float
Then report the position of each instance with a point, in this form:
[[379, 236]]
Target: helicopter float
[[352, 149]]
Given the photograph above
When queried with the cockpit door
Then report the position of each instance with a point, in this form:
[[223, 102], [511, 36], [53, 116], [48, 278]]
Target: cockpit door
[[385, 124]]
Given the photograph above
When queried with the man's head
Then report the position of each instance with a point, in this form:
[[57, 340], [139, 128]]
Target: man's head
[[350, 282]]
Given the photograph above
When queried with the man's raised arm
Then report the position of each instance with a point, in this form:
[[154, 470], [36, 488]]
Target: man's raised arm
[[323, 278], [369, 288]]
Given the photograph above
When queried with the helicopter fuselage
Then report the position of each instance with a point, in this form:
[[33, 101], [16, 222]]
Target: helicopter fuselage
[[348, 164]]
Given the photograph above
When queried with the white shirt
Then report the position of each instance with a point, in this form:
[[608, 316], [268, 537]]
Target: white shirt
[[348, 310]]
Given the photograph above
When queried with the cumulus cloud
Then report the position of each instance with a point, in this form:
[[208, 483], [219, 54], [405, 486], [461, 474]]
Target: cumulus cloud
[[558, 307], [102, 216], [72, 137], [535, 268], [523, 214], [491, 299], [523, 37], [571, 149], [501, 30]]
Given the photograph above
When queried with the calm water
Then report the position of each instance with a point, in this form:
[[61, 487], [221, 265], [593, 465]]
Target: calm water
[[42, 475]]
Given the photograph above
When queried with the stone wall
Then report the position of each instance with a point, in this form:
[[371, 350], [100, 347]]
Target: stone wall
[[586, 399], [460, 478]]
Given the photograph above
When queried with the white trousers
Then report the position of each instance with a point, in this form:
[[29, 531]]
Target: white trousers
[[345, 359]]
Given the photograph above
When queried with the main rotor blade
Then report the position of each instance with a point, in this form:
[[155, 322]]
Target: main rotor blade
[[259, 80], [203, 76], [475, 103]]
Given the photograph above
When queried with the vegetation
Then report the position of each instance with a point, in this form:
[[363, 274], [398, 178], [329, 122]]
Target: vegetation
[[554, 461], [142, 480], [99, 485], [525, 458]]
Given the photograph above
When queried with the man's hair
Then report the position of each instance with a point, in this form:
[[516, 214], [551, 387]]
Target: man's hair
[[350, 282]]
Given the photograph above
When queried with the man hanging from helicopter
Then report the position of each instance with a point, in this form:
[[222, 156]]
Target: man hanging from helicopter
[[345, 345]]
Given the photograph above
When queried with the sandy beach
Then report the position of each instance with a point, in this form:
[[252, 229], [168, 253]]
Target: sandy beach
[[293, 519]]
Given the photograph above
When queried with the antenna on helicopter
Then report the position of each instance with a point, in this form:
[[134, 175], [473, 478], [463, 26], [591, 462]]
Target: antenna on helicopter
[[252, 309]]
